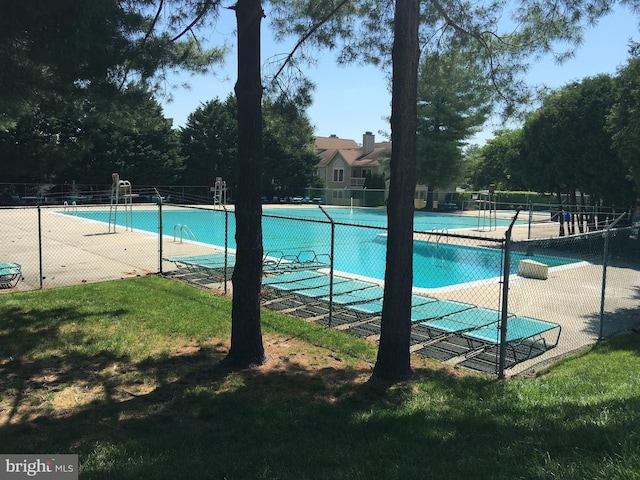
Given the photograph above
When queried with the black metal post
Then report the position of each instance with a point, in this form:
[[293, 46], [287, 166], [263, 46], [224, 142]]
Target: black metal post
[[505, 297], [40, 244], [160, 238], [530, 220], [333, 236], [226, 245], [605, 263]]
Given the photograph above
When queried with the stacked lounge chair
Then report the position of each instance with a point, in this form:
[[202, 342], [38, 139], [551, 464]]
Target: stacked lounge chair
[[525, 336], [211, 264], [458, 322], [440, 328], [10, 274], [276, 261]]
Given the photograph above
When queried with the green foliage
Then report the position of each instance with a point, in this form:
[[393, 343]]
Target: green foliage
[[566, 144], [289, 151], [453, 102], [375, 181], [87, 140], [77, 78], [41, 143], [624, 121], [131, 137], [500, 38], [209, 143], [498, 158], [51, 48]]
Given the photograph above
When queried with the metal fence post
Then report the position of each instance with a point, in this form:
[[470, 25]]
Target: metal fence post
[[40, 244], [226, 246], [160, 234], [505, 297], [530, 220], [333, 236], [605, 262]]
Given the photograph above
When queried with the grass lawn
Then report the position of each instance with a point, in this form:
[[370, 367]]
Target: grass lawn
[[121, 374]]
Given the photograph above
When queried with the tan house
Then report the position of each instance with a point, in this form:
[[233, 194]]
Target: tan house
[[344, 165]]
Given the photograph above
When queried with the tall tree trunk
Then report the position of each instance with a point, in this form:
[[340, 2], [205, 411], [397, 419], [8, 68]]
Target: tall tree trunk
[[246, 335], [394, 361]]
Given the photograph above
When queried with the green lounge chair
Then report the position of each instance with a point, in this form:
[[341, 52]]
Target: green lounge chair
[[374, 307], [457, 323], [431, 309], [439, 309], [210, 266], [278, 262], [524, 334], [340, 287], [10, 274], [289, 288], [288, 277], [374, 293], [207, 261]]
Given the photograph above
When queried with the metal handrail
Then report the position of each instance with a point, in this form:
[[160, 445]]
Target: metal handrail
[[184, 228]]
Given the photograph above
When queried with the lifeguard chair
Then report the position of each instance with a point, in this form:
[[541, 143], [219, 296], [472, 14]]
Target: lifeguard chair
[[220, 192], [120, 193], [487, 209]]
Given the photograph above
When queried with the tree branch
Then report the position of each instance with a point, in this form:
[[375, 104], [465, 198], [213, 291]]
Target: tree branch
[[205, 9], [478, 37], [153, 24], [306, 36]]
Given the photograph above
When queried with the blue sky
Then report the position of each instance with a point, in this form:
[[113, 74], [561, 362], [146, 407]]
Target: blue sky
[[351, 100]]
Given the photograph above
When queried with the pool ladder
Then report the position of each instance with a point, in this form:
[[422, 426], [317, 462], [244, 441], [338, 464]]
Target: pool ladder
[[184, 229], [440, 234]]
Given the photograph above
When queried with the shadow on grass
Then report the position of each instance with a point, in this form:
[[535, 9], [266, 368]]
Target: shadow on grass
[[176, 416], [24, 331]]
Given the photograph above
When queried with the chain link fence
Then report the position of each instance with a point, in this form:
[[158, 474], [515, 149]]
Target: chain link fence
[[492, 298]]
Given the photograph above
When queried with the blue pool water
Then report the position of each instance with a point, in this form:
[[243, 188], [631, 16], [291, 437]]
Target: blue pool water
[[423, 221], [359, 249]]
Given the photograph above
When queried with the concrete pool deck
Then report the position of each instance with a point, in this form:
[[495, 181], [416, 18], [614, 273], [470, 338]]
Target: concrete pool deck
[[78, 251]]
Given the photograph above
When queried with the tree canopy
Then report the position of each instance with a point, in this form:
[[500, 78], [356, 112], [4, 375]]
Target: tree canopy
[[453, 102], [210, 139], [60, 48], [624, 121], [88, 139], [209, 143], [290, 152], [498, 158], [567, 146]]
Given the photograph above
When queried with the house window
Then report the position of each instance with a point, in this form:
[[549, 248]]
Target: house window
[[366, 171], [338, 174]]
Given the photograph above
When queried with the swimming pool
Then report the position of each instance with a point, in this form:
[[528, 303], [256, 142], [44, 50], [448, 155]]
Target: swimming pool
[[358, 249], [422, 221]]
